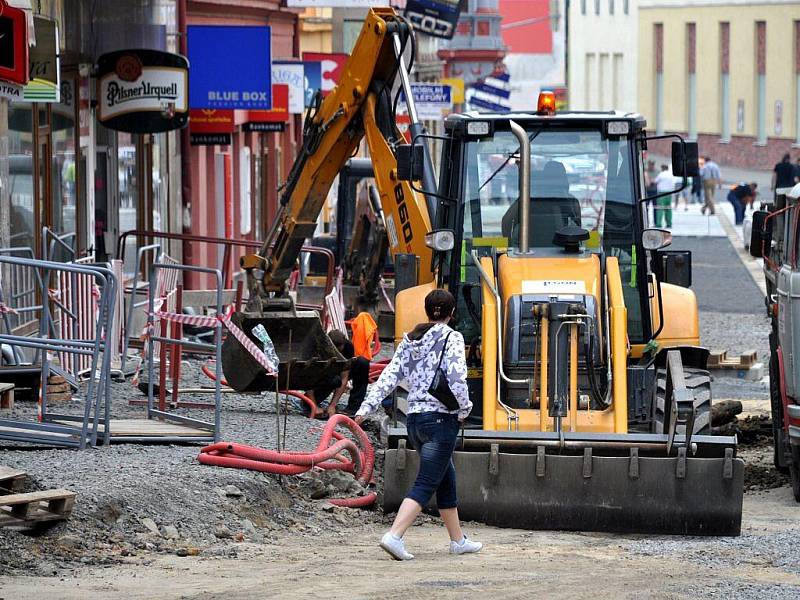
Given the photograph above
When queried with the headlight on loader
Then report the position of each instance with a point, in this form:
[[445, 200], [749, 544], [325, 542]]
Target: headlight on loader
[[440, 240]]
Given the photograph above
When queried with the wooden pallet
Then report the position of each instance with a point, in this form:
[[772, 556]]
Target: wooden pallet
[[35, 507], [720, 360], [6, 396], [11, 479]]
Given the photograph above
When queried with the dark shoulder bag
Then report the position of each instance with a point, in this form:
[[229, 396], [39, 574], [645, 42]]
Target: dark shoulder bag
[[439, 387]]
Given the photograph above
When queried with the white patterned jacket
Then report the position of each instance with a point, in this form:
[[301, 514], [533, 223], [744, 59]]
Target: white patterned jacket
[[416, 361]]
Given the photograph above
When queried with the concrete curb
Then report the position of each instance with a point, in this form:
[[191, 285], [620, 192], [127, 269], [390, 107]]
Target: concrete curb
[[753, 265]]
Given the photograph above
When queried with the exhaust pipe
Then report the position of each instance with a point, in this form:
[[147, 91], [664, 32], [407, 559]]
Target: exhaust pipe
[[524, 184]]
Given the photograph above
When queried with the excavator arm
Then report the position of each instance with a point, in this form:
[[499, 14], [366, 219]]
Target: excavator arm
[[359, 107]]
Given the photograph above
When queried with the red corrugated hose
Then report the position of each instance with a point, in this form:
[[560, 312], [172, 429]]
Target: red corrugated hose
[[327, 455]]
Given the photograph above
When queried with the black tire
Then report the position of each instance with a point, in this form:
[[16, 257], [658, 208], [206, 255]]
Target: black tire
[[776, 405], [699, 382], [794, 470]]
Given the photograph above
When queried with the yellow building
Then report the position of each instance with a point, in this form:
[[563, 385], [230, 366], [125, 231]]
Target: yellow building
[[724, 72], [316, 29]]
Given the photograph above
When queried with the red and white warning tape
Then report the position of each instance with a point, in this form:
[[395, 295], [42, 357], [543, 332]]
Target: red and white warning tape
[[204, 321]]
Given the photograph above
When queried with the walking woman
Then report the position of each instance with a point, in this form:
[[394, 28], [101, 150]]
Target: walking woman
[[432, 427]]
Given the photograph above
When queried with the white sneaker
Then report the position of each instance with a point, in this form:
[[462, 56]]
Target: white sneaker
[[396, 548], [465, 546]]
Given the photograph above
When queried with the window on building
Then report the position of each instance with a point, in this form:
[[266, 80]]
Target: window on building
[[611, 7], [797, 82], [658, 49], [724, 88], [625, 6], [484, 28], [583, 7], [597, 7], [761, 81]]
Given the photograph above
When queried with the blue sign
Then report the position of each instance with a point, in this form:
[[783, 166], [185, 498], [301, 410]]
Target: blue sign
[[313, 77], [230, 67], [431, 93]]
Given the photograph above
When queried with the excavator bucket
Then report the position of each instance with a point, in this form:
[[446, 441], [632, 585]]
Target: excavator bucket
[[586, 482], [306, 354]]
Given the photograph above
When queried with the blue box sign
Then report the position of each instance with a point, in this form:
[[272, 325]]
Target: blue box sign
[[230, 67]]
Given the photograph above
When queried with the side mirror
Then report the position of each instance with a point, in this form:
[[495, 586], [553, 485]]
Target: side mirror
[[656, 239], [673, 266], [410, 161], [685, 162], [760, 233]]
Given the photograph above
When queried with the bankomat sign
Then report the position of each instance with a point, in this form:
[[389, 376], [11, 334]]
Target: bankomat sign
[[437, 18]]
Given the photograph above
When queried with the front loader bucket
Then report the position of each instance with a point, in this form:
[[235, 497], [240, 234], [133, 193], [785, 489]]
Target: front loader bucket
[[586, 482], [306, 354]]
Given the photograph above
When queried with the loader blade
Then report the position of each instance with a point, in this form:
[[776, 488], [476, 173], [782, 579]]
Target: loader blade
[[307, 355], [587, 491]]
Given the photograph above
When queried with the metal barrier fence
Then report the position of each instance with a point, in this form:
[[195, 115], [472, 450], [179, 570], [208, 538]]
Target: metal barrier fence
[[159, 316], [52, 428]]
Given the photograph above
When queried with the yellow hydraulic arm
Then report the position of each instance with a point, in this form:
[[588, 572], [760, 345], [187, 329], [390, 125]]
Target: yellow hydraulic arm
[[359, 107]]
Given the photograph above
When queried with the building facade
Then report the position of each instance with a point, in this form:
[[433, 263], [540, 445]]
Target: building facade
[[723, 72], [603, 42]]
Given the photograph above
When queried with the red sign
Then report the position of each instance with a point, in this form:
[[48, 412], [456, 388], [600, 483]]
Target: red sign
[[332, 66], [280, 107], [13, 44], [209, 120]]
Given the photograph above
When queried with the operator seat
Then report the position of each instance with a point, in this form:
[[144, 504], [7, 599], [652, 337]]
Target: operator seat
[[552, 207]]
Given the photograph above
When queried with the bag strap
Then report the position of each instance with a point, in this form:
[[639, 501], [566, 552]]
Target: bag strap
[[441, 356]]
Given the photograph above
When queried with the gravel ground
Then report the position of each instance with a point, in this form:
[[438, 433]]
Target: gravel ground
[[135, 499]]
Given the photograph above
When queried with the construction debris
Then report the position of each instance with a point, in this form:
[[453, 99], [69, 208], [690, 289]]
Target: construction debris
[[29, 508], [725, 411]]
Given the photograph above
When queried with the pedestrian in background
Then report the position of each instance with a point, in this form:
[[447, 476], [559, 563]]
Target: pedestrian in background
[[650, 175], [797, 171], [712, 179], [665, 182], [783, 175], [740, 197], [431, 348], [697, 189]]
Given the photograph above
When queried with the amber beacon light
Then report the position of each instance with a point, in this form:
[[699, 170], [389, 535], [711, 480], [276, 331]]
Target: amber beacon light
[[546, 104]]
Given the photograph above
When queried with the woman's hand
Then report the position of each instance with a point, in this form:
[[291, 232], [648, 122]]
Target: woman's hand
[[359, 419]]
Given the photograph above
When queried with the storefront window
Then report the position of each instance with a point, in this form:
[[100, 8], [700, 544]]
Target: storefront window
[[64, 169], [160, 180], [20, 150], [128, 186]]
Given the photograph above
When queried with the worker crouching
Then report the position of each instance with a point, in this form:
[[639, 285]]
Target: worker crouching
[[431, 359]]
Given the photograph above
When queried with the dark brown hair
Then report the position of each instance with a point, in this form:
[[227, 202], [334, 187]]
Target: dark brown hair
[[439, 305]]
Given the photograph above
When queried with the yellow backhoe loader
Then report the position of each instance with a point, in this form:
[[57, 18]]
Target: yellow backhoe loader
[[592, 402]]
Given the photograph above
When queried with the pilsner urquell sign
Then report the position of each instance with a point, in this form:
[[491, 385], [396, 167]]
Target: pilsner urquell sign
[[143, 91]]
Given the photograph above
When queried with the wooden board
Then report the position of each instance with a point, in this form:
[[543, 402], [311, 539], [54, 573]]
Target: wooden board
[[152, 427], [33, 507]]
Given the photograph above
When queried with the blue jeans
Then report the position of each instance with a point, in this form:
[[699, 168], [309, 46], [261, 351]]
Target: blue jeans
[[434, 436], [738, 207]]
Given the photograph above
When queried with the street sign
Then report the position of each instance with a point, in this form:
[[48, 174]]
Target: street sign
[[230, 67], [13, 44], [456, 88], [291, 74], [142, 91], [312, 73], [331, 66], [431, 99], [210, 127], [437, 18], [44, 83], [270, 120], [336, 3]]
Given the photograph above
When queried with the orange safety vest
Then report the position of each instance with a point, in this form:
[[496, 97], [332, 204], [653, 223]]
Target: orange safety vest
[[364, 334]]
